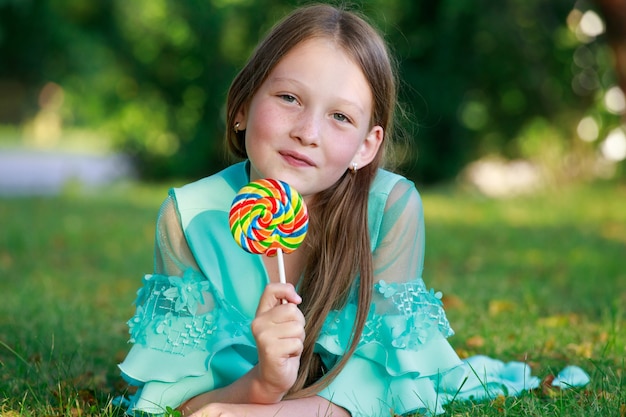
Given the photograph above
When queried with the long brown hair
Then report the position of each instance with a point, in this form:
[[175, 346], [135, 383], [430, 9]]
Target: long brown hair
[[338, 231]]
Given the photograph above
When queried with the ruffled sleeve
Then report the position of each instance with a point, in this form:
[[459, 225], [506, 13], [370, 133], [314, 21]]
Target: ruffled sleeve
[[403, 352], [183, 330]]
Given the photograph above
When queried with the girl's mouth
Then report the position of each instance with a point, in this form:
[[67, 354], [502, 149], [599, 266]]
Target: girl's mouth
[[297, 159]]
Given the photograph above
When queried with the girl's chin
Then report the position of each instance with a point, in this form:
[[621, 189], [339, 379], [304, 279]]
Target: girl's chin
[[295, 183], [277, 174]]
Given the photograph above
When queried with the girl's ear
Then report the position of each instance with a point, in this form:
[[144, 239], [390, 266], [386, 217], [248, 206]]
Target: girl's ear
[[369, 148]]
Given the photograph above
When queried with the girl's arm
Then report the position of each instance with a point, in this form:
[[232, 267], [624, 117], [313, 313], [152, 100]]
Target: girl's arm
[[304, 407], [278, 329]]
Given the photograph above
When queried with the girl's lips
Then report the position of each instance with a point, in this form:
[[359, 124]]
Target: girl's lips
[[297, 159]]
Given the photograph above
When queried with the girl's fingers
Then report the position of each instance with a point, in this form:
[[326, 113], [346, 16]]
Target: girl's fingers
[[270, 331], [282, 322], [273, 295], [279, 328]]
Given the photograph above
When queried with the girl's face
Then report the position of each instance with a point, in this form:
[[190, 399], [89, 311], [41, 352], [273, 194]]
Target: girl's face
[[310, 119]]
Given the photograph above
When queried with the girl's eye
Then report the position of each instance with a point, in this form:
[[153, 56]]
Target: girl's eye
[[288, 98], [340, 117]]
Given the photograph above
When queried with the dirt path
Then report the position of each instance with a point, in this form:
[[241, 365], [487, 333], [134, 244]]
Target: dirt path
[[27, 172]]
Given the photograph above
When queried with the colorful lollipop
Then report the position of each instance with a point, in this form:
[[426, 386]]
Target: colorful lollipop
[[269, 217]]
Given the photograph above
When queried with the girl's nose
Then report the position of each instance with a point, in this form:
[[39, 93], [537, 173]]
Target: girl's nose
[[307, 129]]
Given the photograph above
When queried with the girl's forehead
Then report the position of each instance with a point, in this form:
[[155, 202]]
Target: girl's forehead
[[320, 62], [321, 45], [316, 54]]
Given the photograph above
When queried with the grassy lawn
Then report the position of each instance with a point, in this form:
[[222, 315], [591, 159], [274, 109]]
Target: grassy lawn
[[539, 279]]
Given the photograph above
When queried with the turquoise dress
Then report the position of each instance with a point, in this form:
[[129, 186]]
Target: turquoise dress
[[191, 331]]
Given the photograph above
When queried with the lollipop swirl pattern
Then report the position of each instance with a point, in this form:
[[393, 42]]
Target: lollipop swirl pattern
[[267, 215]]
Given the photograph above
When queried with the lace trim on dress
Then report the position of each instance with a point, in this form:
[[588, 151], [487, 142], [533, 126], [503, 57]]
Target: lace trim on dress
[[182, 314], [422, 309], [172, 315], [415, 317]]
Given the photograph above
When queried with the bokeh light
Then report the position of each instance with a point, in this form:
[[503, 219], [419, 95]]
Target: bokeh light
[[614, 146], [615, 101], [588, 129], [591, 25]]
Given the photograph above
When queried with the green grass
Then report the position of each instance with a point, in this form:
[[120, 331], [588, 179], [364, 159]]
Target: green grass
[[537, 279], [540, 279]]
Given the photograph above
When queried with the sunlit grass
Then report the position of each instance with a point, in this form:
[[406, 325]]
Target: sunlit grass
[[71, 266], [539, 279]]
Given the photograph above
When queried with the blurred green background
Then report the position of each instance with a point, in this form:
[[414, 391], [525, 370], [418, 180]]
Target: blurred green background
[[529, 79]]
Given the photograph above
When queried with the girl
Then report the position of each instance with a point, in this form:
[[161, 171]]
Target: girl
[[360, 335]]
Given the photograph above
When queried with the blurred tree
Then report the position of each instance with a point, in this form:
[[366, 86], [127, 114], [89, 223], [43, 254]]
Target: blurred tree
[[151, 74], [478, 77], [479, 72], [614, 13]]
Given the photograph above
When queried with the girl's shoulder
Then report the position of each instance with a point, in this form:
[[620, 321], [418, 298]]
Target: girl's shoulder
[[391, 198], [387, 184], [385, 181], [215, 192], [213, 188]]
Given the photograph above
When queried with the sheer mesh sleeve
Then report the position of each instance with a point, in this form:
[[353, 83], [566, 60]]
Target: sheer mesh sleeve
[[183, 331], [404, 313], [403, 350], [399, 253], [178, 309], [399, 290], [172, 255]]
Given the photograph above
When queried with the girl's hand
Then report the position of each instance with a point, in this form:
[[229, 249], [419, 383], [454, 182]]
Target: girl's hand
[[279, 333]]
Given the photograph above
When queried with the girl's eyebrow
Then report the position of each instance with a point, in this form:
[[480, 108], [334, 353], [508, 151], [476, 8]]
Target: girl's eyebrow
[[351, 104], [277, 79], [340, 100]]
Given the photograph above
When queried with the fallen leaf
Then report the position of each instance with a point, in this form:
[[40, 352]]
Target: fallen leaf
[[583, 350], [87, 396], [501, 306], [549, 344], [462, 353], [499, 403], [451, 302], [559, 320], [475, 342], [547, 389]]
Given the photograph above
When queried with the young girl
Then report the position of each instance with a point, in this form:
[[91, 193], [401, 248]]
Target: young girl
[[360, 335]]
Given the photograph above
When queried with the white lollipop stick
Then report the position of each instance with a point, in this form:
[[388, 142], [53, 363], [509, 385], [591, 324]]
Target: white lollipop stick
[[281, 266], [281, 269]]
